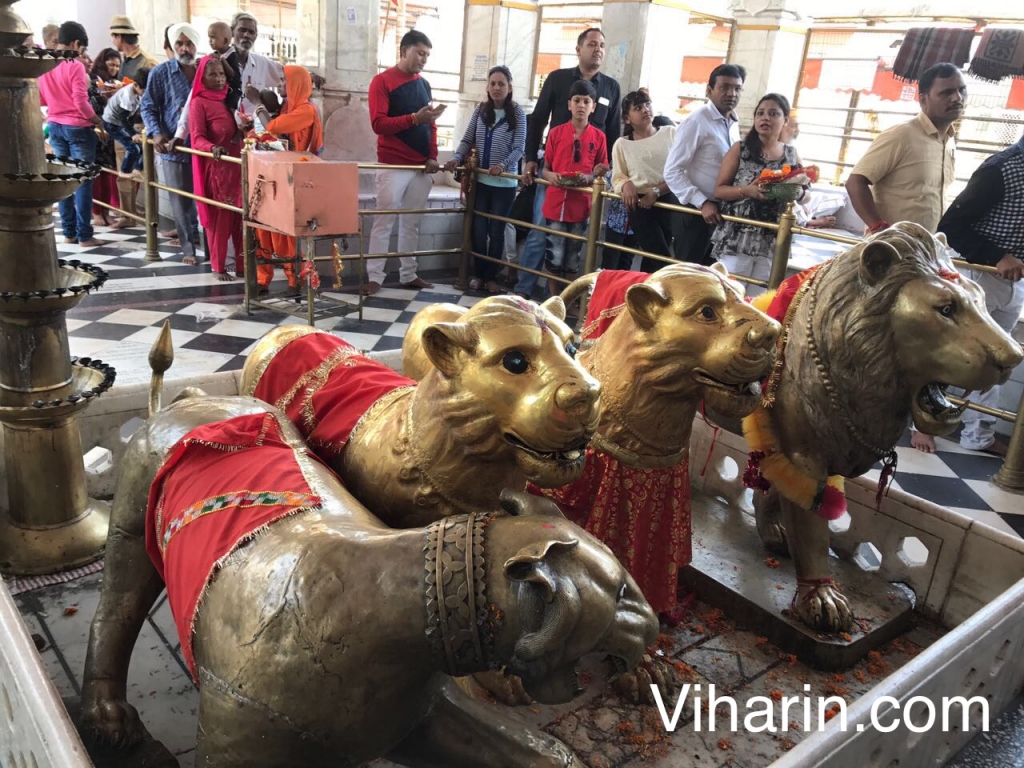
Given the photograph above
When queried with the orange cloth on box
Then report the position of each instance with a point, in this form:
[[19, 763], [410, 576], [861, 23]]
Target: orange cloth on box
[[299, 122], [219, 486]]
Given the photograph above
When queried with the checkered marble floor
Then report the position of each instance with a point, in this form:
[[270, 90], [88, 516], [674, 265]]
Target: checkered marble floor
[[211, 332]]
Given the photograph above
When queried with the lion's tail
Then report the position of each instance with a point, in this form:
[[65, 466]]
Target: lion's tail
[[579, 287], [161, 355]]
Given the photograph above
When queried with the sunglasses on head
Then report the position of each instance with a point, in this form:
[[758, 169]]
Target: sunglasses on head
[[576, 157]]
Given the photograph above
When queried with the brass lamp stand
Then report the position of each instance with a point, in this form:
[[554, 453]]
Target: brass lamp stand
[[47, 522]]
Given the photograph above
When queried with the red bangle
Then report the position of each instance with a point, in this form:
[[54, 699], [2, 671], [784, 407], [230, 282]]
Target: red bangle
[[878, 226]]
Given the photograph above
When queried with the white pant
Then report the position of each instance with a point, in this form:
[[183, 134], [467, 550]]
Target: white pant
[[1004, 301], [756, 267], [397, 189]]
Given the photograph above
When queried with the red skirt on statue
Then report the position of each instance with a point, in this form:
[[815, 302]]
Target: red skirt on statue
[[643, 515]]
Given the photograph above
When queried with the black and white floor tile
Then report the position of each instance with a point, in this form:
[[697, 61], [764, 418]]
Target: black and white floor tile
[[212, 333]]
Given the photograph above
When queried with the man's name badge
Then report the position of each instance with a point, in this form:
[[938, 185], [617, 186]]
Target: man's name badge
[[603, 100]]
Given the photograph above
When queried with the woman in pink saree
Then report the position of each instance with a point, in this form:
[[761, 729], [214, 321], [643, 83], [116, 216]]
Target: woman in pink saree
[[214, 130]]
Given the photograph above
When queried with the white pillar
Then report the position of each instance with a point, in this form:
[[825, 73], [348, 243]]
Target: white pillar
[[151, 18], [496, 34], [338, 39], [770, 45], [95, 16]]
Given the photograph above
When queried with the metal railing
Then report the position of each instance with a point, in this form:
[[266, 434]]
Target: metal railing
[[1010, 476]]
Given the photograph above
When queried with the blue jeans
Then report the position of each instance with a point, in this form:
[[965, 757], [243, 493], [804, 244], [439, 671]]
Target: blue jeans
[[75, 211], [533, 250], [132, 151], [489, 235]]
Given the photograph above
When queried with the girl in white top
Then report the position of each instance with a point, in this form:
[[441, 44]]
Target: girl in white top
[[638, 174]]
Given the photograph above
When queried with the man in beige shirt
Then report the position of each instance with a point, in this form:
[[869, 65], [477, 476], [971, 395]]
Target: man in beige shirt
[[906, 172]]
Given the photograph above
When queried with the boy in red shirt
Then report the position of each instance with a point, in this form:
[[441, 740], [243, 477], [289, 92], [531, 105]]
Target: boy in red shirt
[[576, 152]]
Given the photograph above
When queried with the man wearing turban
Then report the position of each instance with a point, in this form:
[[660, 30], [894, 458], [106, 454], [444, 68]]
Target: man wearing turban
[[170, 84]]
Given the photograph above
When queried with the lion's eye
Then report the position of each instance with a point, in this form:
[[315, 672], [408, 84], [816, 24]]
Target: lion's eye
[[946, 310], [707, 312], [515, 362], [570, 349]]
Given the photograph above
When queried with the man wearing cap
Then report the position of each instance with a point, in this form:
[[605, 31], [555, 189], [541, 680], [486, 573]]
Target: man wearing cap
[[170, 84], [125, 40]]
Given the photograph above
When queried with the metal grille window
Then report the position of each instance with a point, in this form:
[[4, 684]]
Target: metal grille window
[[848, 94], [560, 25], [278, 23]]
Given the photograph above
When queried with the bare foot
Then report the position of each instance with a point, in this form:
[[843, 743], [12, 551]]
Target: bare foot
[[71, 240], [924, 443], [419, 282], [100, 221], [224, 277], [169, 233], [174, 242], [122, 224], [998, 448], [190, 261], [493, 288], [371, 288], [91, 242]]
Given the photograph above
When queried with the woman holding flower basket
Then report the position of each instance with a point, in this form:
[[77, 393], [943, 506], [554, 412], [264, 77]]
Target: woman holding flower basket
[[758, 175]]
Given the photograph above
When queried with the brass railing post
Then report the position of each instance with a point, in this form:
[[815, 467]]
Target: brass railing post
[[1010, 476], [248, 251], [152, 211], [462, 281], [594, 225], [783, 243], [593, 235]]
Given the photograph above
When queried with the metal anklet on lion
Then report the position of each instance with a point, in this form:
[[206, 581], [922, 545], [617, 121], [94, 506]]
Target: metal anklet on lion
[[319, 636]]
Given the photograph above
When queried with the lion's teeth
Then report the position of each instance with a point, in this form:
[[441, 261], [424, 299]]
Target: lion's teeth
[[755, 388]]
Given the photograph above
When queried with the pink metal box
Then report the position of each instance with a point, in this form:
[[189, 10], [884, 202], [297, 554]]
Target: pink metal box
[[300, 194]]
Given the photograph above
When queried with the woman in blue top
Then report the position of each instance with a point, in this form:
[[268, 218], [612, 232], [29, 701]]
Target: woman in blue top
[[498, 131]]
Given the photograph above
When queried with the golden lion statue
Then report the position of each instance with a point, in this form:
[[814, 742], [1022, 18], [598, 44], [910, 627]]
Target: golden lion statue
[[503, 404], [658, 344], [871, 339], [318, 635]]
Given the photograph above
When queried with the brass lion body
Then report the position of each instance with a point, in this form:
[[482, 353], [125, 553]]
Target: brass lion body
[[313, 644]]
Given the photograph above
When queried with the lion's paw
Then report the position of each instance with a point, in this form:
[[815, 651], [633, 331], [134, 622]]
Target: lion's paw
[[507, 689], [823, 607], [635, 686], [109, 720]]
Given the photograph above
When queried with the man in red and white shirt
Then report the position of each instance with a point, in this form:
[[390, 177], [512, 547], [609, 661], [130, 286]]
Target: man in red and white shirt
[[404, 121], [73, 125]]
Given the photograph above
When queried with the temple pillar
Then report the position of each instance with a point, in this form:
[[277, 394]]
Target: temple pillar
[[151, 18], [339, 40], [769, 43], [496, 32]]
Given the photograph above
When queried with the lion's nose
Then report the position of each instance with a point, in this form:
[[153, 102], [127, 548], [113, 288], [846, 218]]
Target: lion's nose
[[577, 398], [764, 334]]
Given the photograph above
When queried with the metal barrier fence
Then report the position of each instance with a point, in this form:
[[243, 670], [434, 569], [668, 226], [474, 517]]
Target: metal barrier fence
[[1010, 476]]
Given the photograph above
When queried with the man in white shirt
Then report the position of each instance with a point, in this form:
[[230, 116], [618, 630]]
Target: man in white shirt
[[691, 170]]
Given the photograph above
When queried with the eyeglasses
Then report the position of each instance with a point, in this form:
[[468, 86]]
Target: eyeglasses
[[576, 157]]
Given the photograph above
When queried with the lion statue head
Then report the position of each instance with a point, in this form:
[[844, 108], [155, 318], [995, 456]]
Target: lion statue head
[[896, 325], [505, 372], [564, 595], [693, 336]]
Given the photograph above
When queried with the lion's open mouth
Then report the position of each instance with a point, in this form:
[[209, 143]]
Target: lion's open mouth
[[746, 388], [571, 455], [932, 400]]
